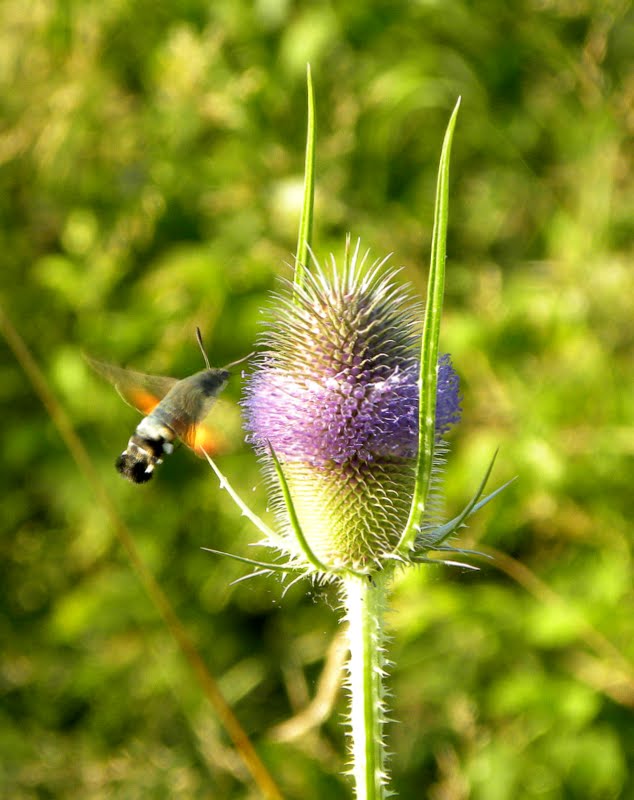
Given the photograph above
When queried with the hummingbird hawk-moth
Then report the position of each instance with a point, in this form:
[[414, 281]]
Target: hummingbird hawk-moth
[[173, 409]]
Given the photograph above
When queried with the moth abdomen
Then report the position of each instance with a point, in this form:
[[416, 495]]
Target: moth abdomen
[[135, 469], [144, 453]]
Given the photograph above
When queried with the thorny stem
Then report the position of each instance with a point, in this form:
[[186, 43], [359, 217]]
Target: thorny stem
[[364, 603]]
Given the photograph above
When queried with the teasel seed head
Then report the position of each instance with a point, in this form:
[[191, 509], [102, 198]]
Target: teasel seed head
[[334, 396]]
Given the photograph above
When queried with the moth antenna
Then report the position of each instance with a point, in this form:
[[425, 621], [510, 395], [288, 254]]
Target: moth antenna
[[239, 361], [199, 339]]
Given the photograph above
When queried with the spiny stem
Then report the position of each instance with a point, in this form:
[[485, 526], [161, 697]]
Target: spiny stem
[[364, 601]]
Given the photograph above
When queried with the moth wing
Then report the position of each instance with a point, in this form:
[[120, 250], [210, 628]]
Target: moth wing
[[141, 391], [210, 435], [204, 438]]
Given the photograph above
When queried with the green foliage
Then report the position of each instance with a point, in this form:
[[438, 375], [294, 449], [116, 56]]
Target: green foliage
[[151, 180]]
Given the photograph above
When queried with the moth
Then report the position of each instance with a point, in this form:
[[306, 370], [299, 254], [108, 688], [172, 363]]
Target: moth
[[172, 408]]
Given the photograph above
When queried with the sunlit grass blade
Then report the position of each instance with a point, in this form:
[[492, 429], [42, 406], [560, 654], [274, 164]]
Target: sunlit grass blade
[[306, 219], [428, 378]]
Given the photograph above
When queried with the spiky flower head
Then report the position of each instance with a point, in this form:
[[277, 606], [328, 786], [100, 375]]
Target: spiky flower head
[[335, 398]]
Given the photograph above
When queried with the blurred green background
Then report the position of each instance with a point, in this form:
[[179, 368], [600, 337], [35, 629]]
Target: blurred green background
[[151, 159]]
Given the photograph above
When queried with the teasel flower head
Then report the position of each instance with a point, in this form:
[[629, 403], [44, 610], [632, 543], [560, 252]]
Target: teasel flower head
[[333, 407]]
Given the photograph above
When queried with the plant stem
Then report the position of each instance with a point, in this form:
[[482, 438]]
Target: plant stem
[[364, 601]]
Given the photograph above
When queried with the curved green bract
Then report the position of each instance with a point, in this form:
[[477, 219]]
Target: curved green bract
[[428, 379], [292, 515], [306, 219]]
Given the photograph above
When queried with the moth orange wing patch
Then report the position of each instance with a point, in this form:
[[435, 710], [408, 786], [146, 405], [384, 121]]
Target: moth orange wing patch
[[204, 438], [143, 401]]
